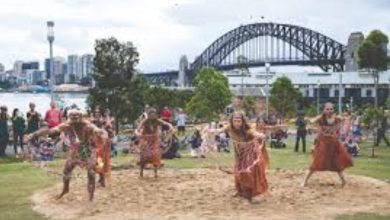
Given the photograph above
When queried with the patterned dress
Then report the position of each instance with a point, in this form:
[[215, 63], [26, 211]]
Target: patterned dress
[[251, 161], [329, 154]]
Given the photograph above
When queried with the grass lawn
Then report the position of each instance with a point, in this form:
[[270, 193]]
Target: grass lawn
[[19, 180]]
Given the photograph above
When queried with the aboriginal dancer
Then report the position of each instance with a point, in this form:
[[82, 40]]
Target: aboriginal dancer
[[329, 153]]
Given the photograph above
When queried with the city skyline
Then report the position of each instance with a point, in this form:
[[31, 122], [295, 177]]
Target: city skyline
[[162, 31]]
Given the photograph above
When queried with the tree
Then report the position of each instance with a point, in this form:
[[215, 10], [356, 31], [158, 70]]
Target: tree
[[284, 97], [373, 56], [249, 104], [114, 66], [371, 119], [211, 95]]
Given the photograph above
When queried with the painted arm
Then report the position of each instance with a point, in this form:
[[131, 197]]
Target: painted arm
[[139, 128], [99, 135], [46, 131], [166, 124]]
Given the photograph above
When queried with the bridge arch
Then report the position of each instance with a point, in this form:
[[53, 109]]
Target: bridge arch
[[318, 49]]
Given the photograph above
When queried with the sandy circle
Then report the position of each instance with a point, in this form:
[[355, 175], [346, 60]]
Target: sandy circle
[[208, 194]]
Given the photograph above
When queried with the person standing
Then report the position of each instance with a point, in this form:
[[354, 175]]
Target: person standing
[[329, 153], [301, 132], [4, 135], [33, 119], [251, 157], [381, 134], [149, 141], [166, 115], [181, 122], [18, 127], [53, 115]]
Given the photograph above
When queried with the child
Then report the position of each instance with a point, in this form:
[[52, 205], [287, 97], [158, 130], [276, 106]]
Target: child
[[352, 147], [46, 151], [196, 142]]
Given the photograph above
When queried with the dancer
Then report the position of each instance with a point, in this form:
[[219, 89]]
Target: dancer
[[251, 158], [329, 153], [149, 142], [88, 146]]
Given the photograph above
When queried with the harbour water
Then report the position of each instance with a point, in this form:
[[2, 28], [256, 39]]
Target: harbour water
[[41, 100]]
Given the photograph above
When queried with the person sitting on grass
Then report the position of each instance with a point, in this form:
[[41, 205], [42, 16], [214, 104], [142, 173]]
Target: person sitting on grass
[[196, 142], [352, 147]]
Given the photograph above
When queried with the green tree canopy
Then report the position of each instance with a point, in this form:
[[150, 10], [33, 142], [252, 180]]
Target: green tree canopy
[[373, 56], [373, 52], [211, 96], [114, 67], [284, 97], [159, 97]]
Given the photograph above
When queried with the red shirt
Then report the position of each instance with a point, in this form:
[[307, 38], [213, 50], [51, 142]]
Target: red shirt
[[166, 115], [53, 117]]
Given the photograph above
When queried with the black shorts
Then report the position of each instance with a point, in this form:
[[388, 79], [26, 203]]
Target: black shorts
[[181, 128]]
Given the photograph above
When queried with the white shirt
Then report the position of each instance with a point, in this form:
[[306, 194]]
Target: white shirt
[[181, 119]]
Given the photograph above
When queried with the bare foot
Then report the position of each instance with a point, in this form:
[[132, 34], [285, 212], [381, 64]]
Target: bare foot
[[343, 182]]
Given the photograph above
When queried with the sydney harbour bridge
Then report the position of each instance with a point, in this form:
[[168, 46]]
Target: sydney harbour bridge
[[260, 43]]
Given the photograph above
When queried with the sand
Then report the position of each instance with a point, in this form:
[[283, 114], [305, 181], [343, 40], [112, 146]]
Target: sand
[[208, 194]]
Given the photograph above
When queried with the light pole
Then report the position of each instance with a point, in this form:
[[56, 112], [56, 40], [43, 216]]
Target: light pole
[[267, 67], [50, 38], [318, 97]]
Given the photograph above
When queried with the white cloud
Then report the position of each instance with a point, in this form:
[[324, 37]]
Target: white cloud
[[163, 30]]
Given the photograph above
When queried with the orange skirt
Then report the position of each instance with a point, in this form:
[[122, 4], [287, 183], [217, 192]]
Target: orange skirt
[[103, 157], [150, 151], [330, 155], [250, 176]]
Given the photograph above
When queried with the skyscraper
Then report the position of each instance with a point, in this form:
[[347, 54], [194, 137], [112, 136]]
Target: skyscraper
[[47, 68], [86, 65], [58, 67], [74, 67], [2, 69], [18, 68]]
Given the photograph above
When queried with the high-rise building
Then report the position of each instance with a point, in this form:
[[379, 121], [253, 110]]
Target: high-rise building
[[58, 69], [33, 65], [74, 67], [2, 69], [47, 68], [28, 69], [18, 68], [86, 65]]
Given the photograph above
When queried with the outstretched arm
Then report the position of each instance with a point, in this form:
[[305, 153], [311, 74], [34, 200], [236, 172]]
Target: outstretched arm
[[46, 131], [100, 135]]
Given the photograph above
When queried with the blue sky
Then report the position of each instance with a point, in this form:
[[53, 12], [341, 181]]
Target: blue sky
[[163, 30]]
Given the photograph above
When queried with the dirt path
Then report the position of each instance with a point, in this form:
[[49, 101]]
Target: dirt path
[[207, 194]]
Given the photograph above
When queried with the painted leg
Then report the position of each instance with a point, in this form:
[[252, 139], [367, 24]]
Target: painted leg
[[69, 166], [102, 180], [342, 178], [91, 182], [141, 173], [155, 172], [307, 178]]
